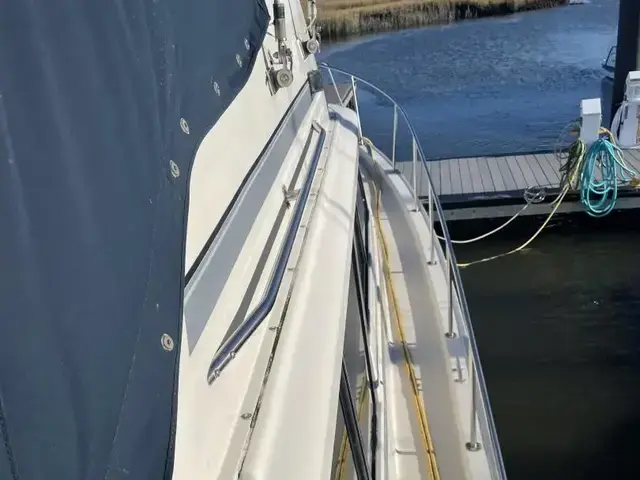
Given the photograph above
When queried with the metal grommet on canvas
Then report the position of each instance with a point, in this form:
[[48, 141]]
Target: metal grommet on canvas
[[184, 126], [167, 342], [175, 169]]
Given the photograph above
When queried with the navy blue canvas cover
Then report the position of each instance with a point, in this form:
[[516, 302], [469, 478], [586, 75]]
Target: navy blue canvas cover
[[102, 107]]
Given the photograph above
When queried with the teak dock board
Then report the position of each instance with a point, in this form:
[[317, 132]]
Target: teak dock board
[[490, 187]]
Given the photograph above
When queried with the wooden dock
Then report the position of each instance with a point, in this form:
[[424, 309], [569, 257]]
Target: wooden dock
[[491, 187]]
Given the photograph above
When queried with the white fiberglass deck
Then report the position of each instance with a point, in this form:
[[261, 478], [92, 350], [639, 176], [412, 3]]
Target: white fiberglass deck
[[437, 421], [421, 306], [417, 312]]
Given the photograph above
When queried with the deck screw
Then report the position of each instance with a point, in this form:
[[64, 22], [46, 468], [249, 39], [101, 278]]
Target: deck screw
[[473, 446], [167, 342], [245, 416], [450, 335]]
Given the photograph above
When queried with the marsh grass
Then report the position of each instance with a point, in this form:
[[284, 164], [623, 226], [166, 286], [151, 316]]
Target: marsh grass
[[346, 18]]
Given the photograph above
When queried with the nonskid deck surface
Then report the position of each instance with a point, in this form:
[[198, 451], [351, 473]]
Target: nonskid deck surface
[[427, 447], [417, 315]]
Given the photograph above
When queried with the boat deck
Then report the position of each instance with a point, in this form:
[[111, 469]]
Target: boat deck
[[485, 187], [432, 411], [413, 321], [345, 90]]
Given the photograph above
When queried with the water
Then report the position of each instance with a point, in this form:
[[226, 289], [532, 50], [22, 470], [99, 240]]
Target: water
[[489, 86], [559, 340], [558, 325]]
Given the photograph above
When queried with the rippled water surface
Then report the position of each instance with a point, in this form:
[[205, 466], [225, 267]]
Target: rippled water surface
[[488, 86], [559, 338]]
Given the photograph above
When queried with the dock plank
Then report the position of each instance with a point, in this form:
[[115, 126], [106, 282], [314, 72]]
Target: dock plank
[[550, 175], [445, 177], [553, 166], [498, 181], [636, 162], [486, 176], [507, 176], [632, 157], [632, 154], [410, 177], [517, 172], [538, 172], [527, 171], [423, 183], [457, 184], [476, 179], [477, 176], [423, 179], [465, 176], [434, 173]]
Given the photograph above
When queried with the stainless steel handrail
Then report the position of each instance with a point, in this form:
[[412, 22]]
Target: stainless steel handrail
[[453, 275], [243, 332]]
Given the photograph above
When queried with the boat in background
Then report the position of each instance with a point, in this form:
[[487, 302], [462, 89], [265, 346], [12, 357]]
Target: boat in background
[[209, 271]]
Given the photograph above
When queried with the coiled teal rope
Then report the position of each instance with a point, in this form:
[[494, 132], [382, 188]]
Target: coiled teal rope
[[599, 196]]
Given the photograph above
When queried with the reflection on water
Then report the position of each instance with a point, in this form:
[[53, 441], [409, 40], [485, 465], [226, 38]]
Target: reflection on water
[[557, 325], [558, 328], [488, 86]]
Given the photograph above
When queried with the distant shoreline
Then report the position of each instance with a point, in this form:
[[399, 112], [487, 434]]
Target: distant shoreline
[[341, 19]]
